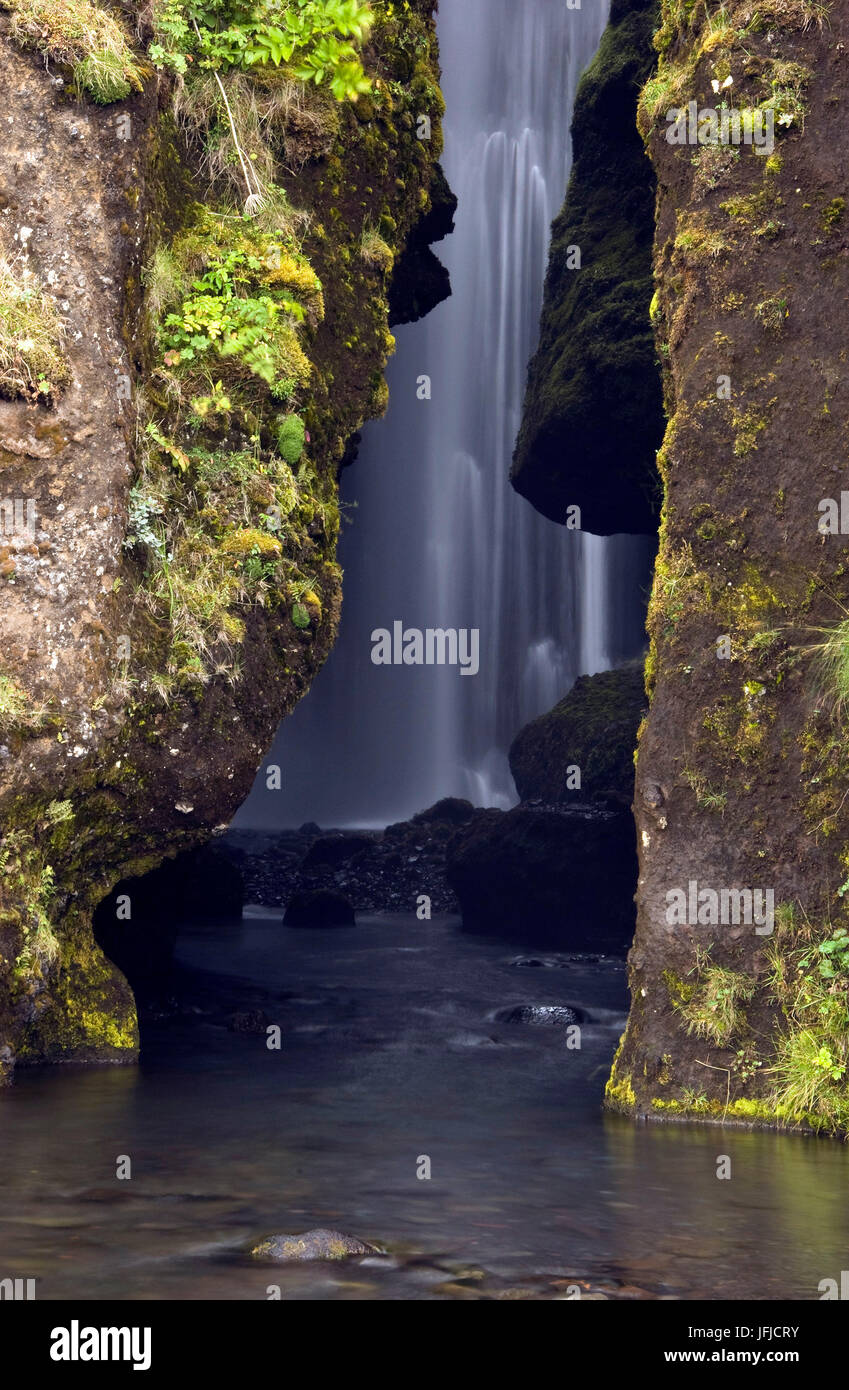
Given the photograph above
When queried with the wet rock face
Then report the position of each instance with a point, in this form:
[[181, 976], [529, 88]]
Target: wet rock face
[[593, 415], [312, 1245], [420, 280], [594, 731]]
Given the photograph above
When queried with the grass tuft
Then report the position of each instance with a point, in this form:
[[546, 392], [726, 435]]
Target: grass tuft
[[31, 361], [79, 35]]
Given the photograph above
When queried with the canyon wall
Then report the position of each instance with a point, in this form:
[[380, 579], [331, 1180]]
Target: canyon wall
[[742, 773], [170, 511]]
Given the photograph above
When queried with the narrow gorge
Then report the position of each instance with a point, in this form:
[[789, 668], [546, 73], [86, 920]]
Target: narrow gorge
[[424, 650]]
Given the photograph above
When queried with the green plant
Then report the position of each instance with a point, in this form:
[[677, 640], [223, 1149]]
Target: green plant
[[809, 979], [830, 667], [830, 957], [746, 1063], [144, 513], [707, 797], [375, 251], [17, 711], [833, 213], [316, 38], [220, 315], [772, 313], [714, 1011]]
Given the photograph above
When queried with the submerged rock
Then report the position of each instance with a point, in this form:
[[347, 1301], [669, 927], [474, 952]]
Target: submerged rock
[[544, 1015], [319, 908], [313, 1245]]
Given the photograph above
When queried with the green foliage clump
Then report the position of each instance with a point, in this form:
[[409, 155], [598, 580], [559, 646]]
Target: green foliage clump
[[29, 888], [31, 360], [230, 298], [831, 667], [315, 38], [221, 314], [291, 438], [809, 979], [82, 36]]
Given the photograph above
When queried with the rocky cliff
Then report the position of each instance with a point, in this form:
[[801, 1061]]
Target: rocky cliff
[[194, 304], [593, 413], [739, 971]]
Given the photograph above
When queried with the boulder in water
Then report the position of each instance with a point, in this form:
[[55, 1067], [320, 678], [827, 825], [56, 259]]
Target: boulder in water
[[553, 877], [319, 907], [313, 1245], [594, 729], [542, 1015]]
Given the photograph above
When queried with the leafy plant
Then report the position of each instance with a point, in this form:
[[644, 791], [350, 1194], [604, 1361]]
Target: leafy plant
[[830, 957], [316, 38], [144, 512]]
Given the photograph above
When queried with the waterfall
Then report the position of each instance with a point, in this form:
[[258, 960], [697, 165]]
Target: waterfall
[[437, 537]]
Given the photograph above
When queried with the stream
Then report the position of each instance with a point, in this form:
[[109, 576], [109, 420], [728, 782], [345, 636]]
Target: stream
[[392, 1050]]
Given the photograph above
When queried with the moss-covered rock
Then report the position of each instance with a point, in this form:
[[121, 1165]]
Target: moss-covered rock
[[593, 409], [177, 589], [583, 749]]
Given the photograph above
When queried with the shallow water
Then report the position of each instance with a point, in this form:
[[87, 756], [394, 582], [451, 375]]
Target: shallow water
[[391, 1050]]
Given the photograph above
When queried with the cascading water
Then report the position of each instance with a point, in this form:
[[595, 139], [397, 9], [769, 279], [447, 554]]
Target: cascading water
[[439, 539]]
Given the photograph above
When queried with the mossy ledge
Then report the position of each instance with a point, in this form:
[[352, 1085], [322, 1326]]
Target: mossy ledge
[[742, 767], [176, 589]]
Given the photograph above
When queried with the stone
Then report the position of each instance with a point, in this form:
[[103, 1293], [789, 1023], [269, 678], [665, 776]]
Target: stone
[[319, 907], [318, 1244], [555, 877]]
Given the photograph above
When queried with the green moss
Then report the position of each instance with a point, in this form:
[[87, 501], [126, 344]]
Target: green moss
[[833, 214], [679, 990], [618, 1091], [594, 728]]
